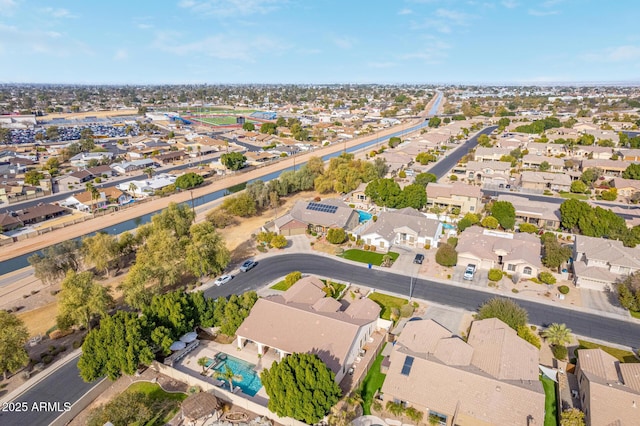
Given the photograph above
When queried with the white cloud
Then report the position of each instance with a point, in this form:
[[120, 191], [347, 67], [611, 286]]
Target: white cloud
[[405, 11], [229, 8], [219, 46], [58, 13], [7, 7], [144, 26], [121, 55], [50, 43], [444, 21], [343, 42], [459, 18], [510, 4], [536, 12], [434, 51], [615, 54]]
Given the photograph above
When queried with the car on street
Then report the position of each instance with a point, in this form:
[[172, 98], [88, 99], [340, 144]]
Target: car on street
[[247, 265], [418, 259], [469, 272], [223, 279]]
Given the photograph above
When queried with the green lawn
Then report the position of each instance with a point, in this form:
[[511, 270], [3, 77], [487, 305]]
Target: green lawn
[[371, 384], [280, 285], [368, 256], [620, 354], [635, 314], [387, 303], [166, 404], [574, 196], [550, 405], [217, 121]]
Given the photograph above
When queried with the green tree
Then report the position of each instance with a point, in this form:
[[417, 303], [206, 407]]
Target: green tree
[[32, 177], [528, 228], [118, 347], [446, 255], [128, 408], [424, 179], [572, 417], [300, 386], [544, 166], [268, 128], [176, 218], [206, 253], [56, 260], [504, 122], [571, 211], [578, 187], [13, 337], [505, 213], [426, 158], [52, 165], [189, 180], [81, 300], [554, 254], [489, 222], [505, 310], [485, 141], [5, 135], [249, 126], [394, 141], [242, 205], [292, 278], [434, 122], [101, 250], [383, 192], [558, 334], [52, 133], [629, 293], [233, 160], [413, 195], [609, 194]]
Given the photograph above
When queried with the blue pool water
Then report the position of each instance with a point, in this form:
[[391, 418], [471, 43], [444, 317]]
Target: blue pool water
[[247, 379], [364, 216], [447, 226]]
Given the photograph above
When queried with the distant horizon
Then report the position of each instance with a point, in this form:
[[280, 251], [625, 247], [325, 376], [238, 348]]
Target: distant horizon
[[485, 84], [226, 42]]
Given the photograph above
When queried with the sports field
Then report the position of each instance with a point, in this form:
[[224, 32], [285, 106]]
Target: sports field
[[223, 120]]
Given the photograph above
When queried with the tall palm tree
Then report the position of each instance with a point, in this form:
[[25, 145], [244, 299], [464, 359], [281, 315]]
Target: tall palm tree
[[132, 189], [229, 376], [558, 334], [202, 362], [149, 171]]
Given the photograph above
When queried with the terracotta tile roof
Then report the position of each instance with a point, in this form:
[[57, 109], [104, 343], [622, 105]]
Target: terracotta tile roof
[[436, 190]]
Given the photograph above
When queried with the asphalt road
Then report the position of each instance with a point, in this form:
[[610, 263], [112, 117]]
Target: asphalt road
[[62, 386], [445, 164], [582, 323]]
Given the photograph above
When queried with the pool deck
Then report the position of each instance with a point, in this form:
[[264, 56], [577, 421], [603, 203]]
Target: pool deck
[[209, 349]]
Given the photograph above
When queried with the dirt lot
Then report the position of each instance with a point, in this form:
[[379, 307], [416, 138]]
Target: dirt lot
[[100, 114]]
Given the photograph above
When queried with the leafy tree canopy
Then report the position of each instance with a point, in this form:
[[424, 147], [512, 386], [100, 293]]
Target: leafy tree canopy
[[505, 310], [189, 180], [13, 337], [300, 386]]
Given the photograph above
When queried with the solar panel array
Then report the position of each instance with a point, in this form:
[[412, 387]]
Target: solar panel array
[[324, 208]]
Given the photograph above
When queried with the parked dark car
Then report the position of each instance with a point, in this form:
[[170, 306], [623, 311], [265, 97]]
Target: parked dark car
[[418, 259]]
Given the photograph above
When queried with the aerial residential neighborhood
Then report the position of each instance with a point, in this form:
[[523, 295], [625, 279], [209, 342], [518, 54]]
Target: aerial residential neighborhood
[[304, 213]]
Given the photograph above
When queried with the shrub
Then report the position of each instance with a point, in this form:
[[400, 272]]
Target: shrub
[[505, 310], [528, 335], [76, 344], [292, 278], [47, 359], [495, 274], [365, 247], [528, 228], [547, 277], [279, 241], [490, 222], [453, 178], [559, 352], [406, 310], [563, 289], [453, 241], [446, 255], [375, 218], [336, 236], [427, 246]]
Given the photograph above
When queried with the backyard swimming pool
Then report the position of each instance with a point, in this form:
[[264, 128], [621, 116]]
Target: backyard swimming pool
[[246, 377], [364, 216]]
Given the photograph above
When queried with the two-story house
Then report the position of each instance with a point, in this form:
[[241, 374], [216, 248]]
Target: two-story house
[[599, 263]]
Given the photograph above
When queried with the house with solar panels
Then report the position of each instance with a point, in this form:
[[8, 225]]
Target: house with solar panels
[[317, 217]]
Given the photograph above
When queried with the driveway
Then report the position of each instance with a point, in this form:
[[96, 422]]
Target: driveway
[[447, 317], [601, 301]]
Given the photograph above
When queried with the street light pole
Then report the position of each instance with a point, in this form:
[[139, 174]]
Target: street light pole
[[193, 206]]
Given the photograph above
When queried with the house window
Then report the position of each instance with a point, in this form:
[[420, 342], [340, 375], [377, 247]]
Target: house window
[[511, 268], [471, 208], [526, 270]]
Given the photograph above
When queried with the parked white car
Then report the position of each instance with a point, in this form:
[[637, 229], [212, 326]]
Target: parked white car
[[223, 280]]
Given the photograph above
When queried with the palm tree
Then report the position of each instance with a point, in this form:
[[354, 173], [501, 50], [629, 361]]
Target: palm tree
[[229, 376], [558, 334], [148, 171], [132, 189], [202, 362]]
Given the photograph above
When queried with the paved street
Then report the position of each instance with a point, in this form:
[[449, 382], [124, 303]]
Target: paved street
[[584, 322]]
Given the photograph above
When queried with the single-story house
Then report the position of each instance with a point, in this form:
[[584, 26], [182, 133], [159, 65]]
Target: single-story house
[[318, 217], [599, 263], [513, 253], [541, 181], [131, 166], [75, 178], [404, 227]]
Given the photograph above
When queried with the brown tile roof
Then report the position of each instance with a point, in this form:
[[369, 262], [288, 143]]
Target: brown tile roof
[[436, 190], [485, 245], [7, 220], [199, 405], [338, 219], [462, 391], [307, 290], [296, 327], [39, 210]]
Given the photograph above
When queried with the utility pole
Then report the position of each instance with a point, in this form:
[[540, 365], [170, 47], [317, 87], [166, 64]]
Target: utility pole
[[193, 208]]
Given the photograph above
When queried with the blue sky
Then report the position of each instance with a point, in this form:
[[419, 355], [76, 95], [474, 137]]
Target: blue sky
[[319, 41]]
